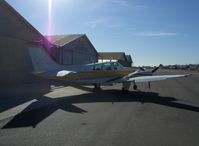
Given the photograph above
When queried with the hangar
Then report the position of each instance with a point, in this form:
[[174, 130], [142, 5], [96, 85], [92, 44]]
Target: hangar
[[17, 35], [120, 57], [73, 49]]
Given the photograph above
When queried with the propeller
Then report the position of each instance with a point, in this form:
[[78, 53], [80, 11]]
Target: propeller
[[148, 73], [155, 69], [142, 69]]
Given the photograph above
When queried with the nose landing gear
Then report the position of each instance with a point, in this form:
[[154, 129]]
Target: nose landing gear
[[135, 87]]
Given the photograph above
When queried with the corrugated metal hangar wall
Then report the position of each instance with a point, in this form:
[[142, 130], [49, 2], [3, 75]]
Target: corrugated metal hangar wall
[[82, 51], [15, 35], [78, 52]]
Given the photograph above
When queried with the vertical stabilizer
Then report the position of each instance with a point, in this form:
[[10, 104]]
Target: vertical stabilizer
[[41, 60]]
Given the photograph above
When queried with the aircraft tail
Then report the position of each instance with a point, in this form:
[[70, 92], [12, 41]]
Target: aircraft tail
[[41, 60]]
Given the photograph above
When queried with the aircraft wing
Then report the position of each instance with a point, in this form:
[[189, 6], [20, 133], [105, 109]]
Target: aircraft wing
[[152, 78]]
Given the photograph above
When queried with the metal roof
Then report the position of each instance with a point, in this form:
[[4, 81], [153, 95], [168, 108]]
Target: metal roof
[[61, 40], [112, 55]]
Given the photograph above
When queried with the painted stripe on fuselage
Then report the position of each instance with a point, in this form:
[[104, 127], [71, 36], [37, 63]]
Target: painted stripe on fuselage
[[90, 75], [95, 75]]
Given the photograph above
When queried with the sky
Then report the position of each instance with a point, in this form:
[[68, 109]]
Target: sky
[[151, 31]]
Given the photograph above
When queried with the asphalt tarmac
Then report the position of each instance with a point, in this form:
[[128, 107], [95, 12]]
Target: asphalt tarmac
[[166, 114]]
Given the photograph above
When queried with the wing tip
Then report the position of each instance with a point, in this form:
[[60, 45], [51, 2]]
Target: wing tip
[[187, 75]]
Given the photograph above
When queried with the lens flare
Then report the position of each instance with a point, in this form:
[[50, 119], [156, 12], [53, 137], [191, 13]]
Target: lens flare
[[49, 19]]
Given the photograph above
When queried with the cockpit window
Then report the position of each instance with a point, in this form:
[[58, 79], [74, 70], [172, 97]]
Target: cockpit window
[[108, 66], [117, 66], [97, 67]]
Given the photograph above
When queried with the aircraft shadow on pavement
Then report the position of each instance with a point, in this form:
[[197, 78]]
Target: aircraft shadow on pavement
[[31, 116], [14, 96]]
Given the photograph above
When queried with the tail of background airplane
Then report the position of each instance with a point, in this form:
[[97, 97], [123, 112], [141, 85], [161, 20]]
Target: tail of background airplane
[[41, 60]]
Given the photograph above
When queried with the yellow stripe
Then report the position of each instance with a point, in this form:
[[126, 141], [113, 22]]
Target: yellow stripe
[[88, 75], [95, 75]]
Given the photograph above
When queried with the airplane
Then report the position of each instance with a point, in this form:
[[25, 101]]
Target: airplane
[[97, 74]]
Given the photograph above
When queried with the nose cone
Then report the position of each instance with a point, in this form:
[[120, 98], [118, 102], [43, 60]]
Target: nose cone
[[143, 73]]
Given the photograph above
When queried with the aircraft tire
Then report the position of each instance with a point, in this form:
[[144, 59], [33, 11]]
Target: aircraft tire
[[135, 87]]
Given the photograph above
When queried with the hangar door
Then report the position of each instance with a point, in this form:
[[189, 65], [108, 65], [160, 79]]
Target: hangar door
[[73, 58], [67, 57], [79, 58]]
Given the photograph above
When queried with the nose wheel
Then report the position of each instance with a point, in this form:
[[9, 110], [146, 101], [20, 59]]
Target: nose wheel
[[135, 87]]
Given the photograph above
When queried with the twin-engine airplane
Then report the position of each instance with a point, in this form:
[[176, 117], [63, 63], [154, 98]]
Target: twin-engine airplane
[[92, 74]]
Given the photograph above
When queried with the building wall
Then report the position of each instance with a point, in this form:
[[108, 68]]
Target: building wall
[[71, 57], [15, 63], [77, 52], [123, 62], [15, 36], [106, 60], [11, 25]]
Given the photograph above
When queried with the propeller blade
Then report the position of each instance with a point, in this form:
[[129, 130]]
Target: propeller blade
[[142, 68], [155, 69]]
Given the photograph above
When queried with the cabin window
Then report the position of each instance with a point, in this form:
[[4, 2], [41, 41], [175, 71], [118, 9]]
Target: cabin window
[[117, 66], [97, 67], [107, 66]]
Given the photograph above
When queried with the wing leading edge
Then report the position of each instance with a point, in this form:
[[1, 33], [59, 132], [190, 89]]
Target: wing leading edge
[[153, 78]]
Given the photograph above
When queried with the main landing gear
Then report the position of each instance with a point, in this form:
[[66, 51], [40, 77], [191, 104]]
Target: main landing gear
[[127, 85], [97, 86]]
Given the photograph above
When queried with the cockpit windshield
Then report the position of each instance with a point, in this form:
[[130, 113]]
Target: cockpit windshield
[[117, 66], [108, 66]]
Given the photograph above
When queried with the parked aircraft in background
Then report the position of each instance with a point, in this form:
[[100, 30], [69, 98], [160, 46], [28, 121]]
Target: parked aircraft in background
[[92, 74]]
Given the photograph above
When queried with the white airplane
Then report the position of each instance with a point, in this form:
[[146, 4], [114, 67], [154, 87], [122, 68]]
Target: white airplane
[[92, 74]]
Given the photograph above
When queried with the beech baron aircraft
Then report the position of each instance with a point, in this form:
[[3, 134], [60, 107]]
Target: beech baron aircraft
[[96, 74]]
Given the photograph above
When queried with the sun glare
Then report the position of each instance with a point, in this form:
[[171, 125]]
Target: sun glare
[[54, 4], [49, 19]]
